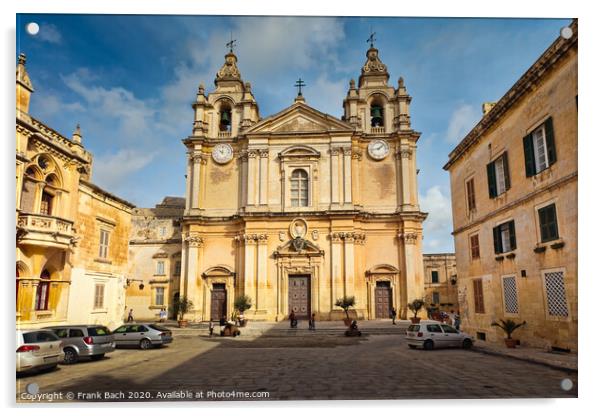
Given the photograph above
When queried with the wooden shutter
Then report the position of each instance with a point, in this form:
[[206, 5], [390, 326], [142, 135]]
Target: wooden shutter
[[529, 155], [506, 170], [479, 305], [491, 180], [549, 126], [512, 233], [497, 240]]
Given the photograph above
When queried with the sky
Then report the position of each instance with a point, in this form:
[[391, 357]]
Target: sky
[[129, 82]]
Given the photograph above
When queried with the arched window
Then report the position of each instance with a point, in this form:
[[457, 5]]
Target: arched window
[[299, 188], [225, 118], [46, 204], [377, 115], [43, 291]]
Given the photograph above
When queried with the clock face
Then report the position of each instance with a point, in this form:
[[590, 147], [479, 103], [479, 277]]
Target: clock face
[[378, 149], [222, 153]]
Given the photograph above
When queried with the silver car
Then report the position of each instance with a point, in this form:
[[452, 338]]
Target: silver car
[[37, 349], [434, 334], [92, 341], [144, 336]]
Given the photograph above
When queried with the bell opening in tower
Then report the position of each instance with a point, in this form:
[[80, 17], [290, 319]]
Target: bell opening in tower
[[225, 119], [376, 115]]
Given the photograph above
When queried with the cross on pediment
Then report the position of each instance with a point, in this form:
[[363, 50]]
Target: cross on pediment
[[299, 84]]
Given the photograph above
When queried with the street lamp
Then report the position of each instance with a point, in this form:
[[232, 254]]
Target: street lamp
[[140, 286]]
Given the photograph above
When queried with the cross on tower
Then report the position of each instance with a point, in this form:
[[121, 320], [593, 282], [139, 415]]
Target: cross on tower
[[299, 84], [372, 38], [231, 43]]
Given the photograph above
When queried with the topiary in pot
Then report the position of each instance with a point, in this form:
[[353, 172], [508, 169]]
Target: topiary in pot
[[415, 306], [241, 304], [345, 303], [509, 326]]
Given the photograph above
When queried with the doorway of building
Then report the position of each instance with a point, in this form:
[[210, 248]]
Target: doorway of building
[[382, 299], [299, 296], [218, 301], [174, 312]]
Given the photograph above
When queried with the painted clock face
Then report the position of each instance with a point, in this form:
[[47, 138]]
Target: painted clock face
[[378, 149], [222, 153]]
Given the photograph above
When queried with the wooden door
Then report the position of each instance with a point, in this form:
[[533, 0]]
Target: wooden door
[[218, 302], [382, 299], [299, 296]]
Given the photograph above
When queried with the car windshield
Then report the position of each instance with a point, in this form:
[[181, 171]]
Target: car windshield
[[414, 328], [98, 330], [39, 336], [158, 327]]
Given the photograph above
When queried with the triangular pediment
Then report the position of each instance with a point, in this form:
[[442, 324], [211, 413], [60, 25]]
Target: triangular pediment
[[299, 118]]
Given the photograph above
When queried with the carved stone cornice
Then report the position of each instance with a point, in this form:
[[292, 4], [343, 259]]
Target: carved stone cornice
[[348, 237], [408, 238], [194, 240], [264, 152], [251, 238]]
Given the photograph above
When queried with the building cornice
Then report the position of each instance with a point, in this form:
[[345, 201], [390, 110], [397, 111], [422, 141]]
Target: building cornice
[[534, 75]]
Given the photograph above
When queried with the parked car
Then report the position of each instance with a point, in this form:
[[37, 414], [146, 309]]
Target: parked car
[[92, 341], [37, 349], [144, 336], [434, 334]]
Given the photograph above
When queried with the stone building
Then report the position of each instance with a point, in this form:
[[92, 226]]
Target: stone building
[[71, 236], [300, 208], [440, 281], [155, 258], [514, 201]]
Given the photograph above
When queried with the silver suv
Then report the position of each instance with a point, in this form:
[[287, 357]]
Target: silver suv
[[92, 341]]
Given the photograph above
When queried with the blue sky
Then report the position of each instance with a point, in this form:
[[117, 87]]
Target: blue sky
[[129, 82]]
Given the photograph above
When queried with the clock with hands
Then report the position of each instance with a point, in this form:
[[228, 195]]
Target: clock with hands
[[378, 149], [222, 153]]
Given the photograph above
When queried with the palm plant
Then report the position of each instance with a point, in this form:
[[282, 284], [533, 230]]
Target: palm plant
[[508, 326]]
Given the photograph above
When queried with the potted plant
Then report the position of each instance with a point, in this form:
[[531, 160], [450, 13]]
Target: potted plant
[[345, 303], [509, 326], [181, 307], [241, 304], [415, 306]]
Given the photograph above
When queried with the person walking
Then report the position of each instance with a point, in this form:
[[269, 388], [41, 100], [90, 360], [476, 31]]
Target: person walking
[[162, 315], [457, 321], [312, 322], [393, 315], [293, 318], [131, 315]]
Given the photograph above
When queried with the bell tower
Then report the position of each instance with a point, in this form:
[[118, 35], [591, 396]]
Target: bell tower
[[228, 109], [376, 107]]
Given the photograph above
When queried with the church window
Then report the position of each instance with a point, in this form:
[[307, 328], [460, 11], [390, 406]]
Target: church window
[[299, 188], [46, 205]]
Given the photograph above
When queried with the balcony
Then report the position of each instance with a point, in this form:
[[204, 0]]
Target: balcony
[[377, 130], [44, 230], [224, 134]]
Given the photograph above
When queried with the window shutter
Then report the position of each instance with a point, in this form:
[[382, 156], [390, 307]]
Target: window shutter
[[497, 240], [529, 155], [506, 170], [491, 180], [512, 235], [550, 141]]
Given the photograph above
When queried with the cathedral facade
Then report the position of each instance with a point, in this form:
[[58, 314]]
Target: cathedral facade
[[299, 209]]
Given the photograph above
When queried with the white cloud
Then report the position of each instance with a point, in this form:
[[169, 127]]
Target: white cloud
[[51, 105], [49, 33], [438, 225], [461, 122], [110, 169], [322, 95]]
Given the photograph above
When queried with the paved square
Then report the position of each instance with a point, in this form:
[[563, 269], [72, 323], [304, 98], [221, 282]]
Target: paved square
[[304, 366]]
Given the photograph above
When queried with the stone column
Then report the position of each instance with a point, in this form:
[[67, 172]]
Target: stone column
[[189, 181], [406, 176], [413, 178], [349, 284], [196, 181], [263, 176], [194, 244], [244, 159], [334, 176], [250, 288], [262, 271], [347, 175], [414, 286], [252, 178], [336, 279]]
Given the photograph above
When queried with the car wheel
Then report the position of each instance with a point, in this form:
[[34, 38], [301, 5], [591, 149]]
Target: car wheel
[[467, 344], [70, 356], [97, 357], [145, 344], [429, 345], [412, 347]]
